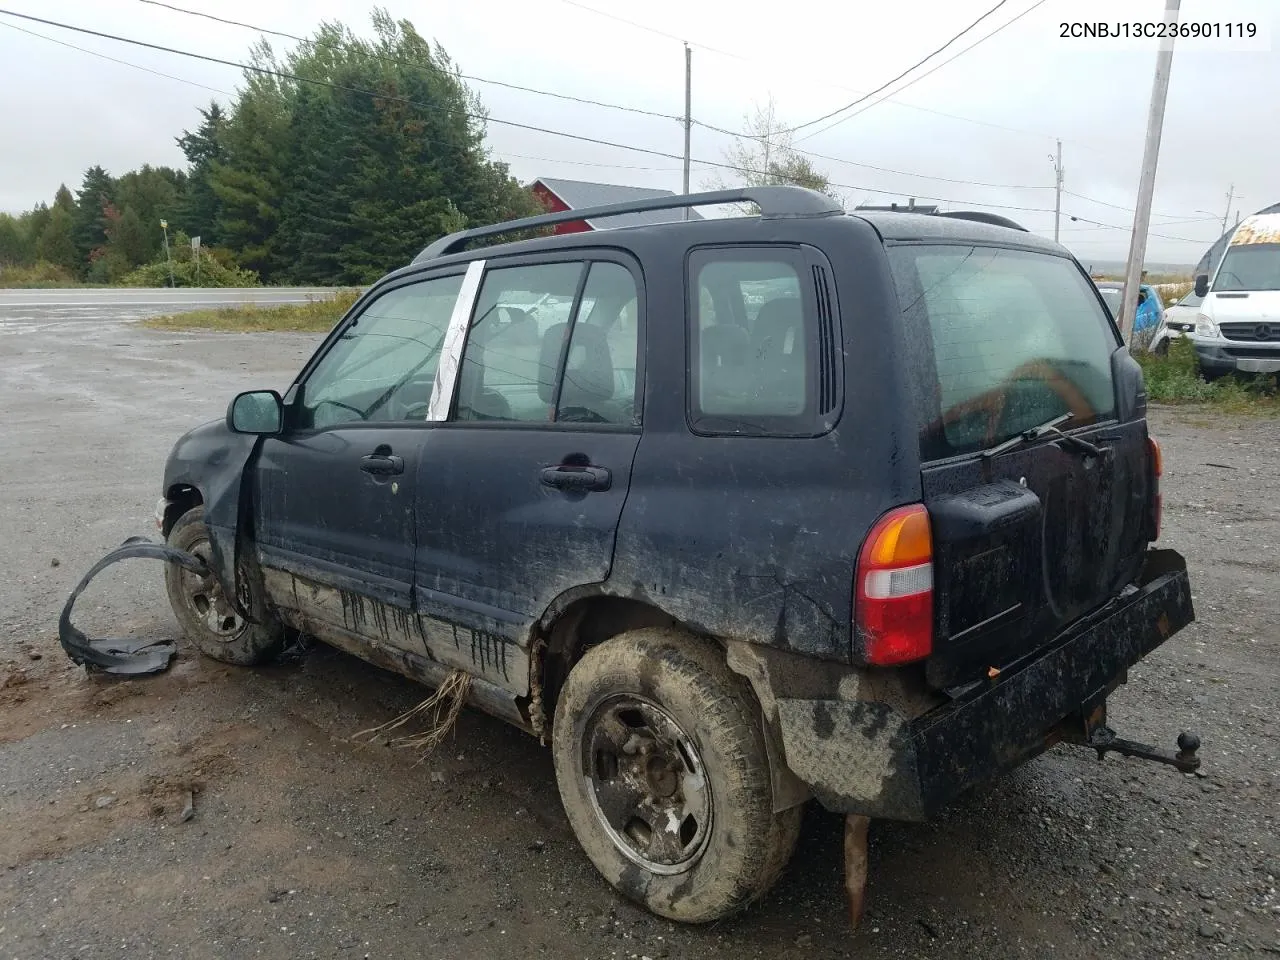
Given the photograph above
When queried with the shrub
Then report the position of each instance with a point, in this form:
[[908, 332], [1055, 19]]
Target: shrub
[[40, 274], [213, 273]]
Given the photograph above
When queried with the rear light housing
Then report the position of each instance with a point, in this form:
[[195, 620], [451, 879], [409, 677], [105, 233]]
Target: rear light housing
[[893, 597], [1157, 499]]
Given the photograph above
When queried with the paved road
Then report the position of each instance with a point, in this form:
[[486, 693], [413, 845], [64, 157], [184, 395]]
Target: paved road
[[27, 311]]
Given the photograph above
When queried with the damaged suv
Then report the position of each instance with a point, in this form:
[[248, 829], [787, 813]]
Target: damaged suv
[[734, 513]]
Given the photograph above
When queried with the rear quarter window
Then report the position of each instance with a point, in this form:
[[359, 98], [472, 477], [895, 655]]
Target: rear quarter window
[[1009, 339]]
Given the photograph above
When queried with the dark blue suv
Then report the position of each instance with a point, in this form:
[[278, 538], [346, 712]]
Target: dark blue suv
[[734, 513]]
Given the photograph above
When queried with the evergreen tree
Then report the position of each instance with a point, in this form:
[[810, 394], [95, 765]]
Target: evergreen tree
[[201, 208], [57, 242], [14, 247], [64, 199], [127, 239], [153, 194], [92, 201]]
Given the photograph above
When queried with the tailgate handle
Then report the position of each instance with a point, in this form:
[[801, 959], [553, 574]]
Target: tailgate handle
[[577, 479]]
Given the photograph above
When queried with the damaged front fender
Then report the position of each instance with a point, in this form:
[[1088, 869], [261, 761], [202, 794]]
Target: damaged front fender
[[120, 656]]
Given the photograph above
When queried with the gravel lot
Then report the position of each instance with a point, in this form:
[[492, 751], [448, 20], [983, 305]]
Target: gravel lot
[[305, 843]]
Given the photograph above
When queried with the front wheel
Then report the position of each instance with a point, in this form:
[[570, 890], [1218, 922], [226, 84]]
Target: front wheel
[[663, 772], [202, 609]]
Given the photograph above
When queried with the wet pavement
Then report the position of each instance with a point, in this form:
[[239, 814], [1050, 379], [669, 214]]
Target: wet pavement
[[307, 843]]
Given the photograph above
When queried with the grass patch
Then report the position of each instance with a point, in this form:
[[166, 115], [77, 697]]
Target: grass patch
[[1176, 379], [42, 275], [314, 316]]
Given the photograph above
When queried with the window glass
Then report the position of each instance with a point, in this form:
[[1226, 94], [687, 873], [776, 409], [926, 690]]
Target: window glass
[[513, 348], [599, 383], [1018, 339], [1250, 266], [383, 366], [752, 340]]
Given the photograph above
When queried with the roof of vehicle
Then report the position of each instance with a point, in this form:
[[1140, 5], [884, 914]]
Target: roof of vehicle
[[775, 203], [1260, 228]]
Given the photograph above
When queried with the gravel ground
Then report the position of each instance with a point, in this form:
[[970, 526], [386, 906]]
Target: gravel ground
[[307, 843]]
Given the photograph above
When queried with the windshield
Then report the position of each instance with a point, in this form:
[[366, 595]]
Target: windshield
[[1250, 266], [1014, 340]]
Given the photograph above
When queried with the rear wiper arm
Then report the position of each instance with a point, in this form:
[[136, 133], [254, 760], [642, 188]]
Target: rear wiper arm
[[1045, 429]]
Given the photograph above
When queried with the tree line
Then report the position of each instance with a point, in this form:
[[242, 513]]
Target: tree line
[[336, 165]]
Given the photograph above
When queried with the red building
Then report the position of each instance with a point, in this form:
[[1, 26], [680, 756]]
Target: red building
[[559, 195]]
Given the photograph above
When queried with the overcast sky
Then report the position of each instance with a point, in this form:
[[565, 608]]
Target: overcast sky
[[990, 116]]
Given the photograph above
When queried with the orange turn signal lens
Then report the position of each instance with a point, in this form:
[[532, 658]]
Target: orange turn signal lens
[[901, 538]]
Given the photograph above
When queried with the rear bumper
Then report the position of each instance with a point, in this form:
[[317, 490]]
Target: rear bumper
[[865, 757]]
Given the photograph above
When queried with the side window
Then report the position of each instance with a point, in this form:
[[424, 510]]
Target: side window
[[599, 384], [383, 366], [755, 342], [514, 344], [526, 331]]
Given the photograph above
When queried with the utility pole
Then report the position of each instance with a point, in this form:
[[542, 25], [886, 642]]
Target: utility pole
[[1147, 181], [688, 115], [1057, 190], [1227, 216]]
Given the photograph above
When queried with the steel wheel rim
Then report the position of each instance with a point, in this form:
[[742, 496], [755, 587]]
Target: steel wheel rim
[[206, 600], [647, 784]]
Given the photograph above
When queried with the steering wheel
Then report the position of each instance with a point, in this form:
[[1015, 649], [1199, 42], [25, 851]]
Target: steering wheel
[[416, 411], [580, 415]]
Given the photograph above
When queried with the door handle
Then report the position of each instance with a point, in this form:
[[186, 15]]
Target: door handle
[[574, 478], [382, 464]]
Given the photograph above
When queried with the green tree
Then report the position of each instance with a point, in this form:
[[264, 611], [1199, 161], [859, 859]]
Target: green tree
[[64, 199], [57, 242], [16, 250], [153, 194], [127, 238], [95, 195], [201, 208]]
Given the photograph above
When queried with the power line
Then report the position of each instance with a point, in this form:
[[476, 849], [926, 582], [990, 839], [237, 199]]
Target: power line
[[889, 83], [655, 30], [409, 63], [481, 117], [103, 56], [935, 69], [1162, 236], [734, 133]]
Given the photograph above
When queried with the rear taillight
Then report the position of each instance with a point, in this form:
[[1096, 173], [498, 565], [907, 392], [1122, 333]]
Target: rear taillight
[[1157, 500], [893, 609]]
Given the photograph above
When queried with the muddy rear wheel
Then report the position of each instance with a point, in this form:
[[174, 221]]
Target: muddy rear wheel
[[664, 776], [201, 606]]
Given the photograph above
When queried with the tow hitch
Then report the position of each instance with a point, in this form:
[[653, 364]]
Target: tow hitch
[[1104, 740]]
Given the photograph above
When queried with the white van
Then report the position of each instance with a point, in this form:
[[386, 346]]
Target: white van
[[1238, 326]]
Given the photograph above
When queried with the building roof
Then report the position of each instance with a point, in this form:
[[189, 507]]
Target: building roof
[[579, 195]]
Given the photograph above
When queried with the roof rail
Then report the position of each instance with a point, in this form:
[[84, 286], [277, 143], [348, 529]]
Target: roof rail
[[982, 217], [775, 203]]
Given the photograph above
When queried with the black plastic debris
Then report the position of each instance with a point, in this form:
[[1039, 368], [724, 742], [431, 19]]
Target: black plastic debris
[[123, 656]]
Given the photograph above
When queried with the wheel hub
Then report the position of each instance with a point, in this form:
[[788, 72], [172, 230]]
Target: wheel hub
[[647, 784], [206, 599]]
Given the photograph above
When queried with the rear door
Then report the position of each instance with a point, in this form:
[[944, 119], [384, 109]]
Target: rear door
[[1031, 529], [519, 496]]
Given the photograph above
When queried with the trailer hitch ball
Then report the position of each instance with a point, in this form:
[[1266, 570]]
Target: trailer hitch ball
[[1188, 744]]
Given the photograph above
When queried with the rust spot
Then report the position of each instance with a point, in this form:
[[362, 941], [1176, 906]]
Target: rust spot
[[1162, 624]]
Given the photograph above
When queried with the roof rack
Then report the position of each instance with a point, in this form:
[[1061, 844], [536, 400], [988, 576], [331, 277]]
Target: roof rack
[[775, 203], [982, 217]]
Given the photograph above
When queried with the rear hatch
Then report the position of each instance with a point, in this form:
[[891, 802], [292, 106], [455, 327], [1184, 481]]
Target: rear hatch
[[1037, 491]]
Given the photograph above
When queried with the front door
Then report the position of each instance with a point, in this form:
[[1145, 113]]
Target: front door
[[334, 503], [519, 497]]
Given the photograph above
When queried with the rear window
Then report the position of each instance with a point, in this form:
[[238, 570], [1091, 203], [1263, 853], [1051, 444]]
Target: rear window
[[1012, 339]]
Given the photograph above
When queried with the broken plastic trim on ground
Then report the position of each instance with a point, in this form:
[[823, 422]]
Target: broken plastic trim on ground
[[126, 657]]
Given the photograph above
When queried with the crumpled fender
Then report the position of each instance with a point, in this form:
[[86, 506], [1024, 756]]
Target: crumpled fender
[[117, 656]]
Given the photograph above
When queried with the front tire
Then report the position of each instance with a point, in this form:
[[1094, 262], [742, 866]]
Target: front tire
[[202, 609], [662, 767]]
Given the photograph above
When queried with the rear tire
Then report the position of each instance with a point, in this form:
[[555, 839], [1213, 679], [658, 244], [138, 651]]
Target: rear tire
[[202, 609], [662, 767]]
